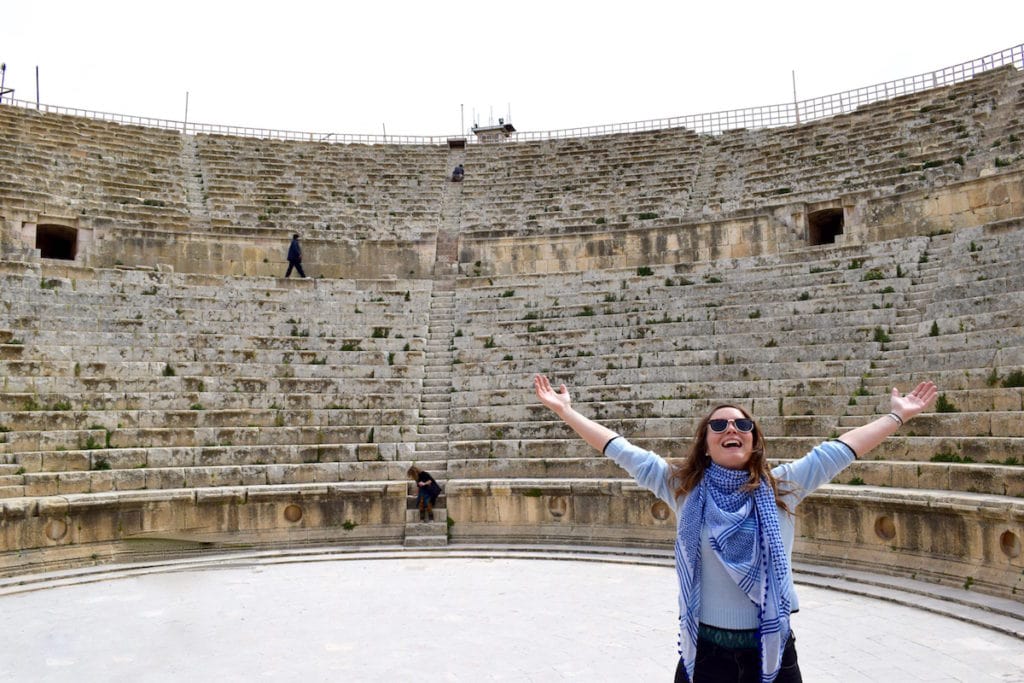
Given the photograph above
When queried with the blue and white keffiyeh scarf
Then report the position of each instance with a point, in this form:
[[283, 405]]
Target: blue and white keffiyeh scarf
[[744, 533]]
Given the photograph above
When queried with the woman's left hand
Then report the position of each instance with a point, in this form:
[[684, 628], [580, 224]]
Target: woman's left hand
[[906, 407]]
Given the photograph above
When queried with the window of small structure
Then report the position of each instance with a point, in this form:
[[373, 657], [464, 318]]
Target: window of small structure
[[57, 241], [824, 225]]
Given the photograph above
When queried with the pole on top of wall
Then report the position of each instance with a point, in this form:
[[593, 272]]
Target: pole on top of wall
[[796, 105]]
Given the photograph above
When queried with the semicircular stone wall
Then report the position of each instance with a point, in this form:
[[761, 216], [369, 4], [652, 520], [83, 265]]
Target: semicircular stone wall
[[164, 391]]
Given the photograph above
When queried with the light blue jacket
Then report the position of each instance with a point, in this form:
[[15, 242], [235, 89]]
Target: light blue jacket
[[723, 604]]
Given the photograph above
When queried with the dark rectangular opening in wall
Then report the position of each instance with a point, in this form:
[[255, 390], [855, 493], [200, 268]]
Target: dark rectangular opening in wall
[[57, 241], [824, 225]]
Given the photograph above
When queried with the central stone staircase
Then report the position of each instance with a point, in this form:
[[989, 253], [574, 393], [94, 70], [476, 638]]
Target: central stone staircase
[[432, 446]]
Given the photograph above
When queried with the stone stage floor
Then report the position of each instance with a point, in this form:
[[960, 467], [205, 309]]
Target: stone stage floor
[[408, 617]]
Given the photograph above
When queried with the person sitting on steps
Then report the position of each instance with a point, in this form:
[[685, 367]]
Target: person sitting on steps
[[427, 494]]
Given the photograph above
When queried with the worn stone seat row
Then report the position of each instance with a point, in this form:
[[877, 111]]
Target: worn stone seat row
[[204, 476], [69, 439], [112, 419], [912, 449], [231, 394], [191, 356], [999, 480]]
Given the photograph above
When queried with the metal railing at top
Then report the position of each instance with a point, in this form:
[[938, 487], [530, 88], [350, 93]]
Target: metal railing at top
[[714, 123]]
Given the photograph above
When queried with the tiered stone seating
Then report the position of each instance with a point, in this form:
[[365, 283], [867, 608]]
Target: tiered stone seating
[[913, 141], [567, 185], [203, 406], [963, 327], [634, 180], [345, 191], [79, 167], [133, 380], [810, 341], [650, 353]]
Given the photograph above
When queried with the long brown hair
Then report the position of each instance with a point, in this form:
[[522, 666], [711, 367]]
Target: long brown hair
[[685, 474]]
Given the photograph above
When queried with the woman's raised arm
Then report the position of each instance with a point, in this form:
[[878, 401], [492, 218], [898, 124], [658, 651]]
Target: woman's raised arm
[[560, 404], [864, 439]]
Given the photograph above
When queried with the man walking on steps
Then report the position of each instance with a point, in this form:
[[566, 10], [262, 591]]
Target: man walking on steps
[[295, 257]]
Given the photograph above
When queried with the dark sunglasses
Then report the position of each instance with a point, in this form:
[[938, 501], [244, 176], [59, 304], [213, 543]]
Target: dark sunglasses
[[742, 425]]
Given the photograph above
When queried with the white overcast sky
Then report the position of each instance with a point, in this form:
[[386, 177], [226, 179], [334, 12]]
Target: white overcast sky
[[408, 66]]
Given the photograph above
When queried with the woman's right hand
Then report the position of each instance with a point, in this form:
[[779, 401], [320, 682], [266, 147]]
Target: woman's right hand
[[557, 401]]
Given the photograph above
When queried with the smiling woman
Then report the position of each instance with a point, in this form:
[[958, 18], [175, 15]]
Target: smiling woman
[[734, 541]]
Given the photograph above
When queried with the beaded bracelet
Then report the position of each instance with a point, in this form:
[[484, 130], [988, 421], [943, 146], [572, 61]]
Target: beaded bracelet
[[899, 420]]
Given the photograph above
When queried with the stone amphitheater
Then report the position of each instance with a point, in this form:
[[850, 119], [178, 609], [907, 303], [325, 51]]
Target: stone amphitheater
[[165, 393]]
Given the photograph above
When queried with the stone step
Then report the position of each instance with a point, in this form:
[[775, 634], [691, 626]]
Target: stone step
[[438, 525], [866, 405], [431, 439], [439, 399], [426, 541], [442, 373], [425, 430], [12, 491], [430, 455], [441, 409]]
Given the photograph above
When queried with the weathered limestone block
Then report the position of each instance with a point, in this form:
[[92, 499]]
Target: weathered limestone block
[[43, 484], [119, 459], [367, 452], [303, 474], [165, 478], [976, 478], [872, 473], [1007, 424], [129, 480], [65, 461]]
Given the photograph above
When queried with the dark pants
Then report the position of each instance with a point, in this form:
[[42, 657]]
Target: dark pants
[[297, 265], [721, 665]]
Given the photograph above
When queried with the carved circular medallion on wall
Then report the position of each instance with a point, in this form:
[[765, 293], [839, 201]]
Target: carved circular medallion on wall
[[1009, 543], [661, 511], [558, 505], [885, 528], [56, 529], [293, 513]]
